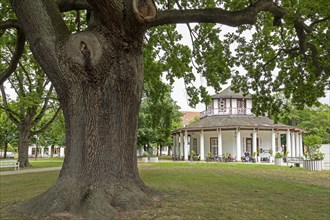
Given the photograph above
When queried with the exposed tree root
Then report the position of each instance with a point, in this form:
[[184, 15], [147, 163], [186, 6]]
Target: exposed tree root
[[71, 201]]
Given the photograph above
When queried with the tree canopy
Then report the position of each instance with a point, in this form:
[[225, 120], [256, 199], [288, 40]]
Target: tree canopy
[[277, 46]]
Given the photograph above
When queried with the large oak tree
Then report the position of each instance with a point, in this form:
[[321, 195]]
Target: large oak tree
[[98, 76]]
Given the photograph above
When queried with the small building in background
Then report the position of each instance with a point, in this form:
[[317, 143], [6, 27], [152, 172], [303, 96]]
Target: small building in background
[[188, 117], [50, 151]]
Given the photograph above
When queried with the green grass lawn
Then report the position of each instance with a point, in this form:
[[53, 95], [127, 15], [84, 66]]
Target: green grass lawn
[[46, 162], [206, 191]]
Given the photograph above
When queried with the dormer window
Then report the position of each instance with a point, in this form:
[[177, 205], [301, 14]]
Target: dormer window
[[222, 105], [241, 106]]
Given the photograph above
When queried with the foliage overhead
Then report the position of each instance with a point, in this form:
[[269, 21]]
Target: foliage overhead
[[286, 50], [276, 46]]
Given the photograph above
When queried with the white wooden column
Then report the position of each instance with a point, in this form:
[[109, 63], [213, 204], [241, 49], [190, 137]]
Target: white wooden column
[[42, 151], [219, 143], [181, 145], [202, 146], [173, 144], [273, 143], [30, 151], [254, 142], [288, 143], [185, 145], [301, 144], [293, 145], [62, 152], [177, 144], [238, 145], [279, 142], [297, 145]]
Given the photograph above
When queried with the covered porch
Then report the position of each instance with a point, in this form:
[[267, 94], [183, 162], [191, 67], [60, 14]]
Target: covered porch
[[261, 140]]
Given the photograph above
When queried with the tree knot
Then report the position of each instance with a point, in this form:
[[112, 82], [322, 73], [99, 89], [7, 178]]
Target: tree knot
[[86, 56], [144, 10]]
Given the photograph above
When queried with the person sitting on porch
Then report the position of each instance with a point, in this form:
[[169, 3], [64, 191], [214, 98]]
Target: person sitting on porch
[[247, 156], [230, 159]]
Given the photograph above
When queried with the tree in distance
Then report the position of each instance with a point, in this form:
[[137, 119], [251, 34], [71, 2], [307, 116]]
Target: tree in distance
[[35, 98]]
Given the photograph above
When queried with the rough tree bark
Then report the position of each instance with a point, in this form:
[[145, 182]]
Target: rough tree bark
[[98, 76]]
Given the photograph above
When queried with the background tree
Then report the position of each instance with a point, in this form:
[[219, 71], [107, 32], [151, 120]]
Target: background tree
[[8, 134], [158, 117], [314, 119], [195, 119], [34, 94], [312, 147], [98, 76], [159, 114]]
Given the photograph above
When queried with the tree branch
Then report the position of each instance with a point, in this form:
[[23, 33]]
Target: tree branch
[[44, 107], [48, 124], [43, 34], [7, 110], [69, 5], [27, 76], [216, 15], [13, 85], [21, 91], [20, 41], [319, 21]]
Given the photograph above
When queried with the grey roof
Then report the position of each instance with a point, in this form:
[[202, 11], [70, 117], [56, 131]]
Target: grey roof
[[228, 93], [235, 121]]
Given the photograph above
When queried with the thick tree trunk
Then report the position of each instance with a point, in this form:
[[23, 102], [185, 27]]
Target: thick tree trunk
[[24, 138], [99, 174]]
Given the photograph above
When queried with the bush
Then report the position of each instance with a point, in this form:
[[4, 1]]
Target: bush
[[313, 144], [317, 155], [278, 155], [271, 152], [145, 154]]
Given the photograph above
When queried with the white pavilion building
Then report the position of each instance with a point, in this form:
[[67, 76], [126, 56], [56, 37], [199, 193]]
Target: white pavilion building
[[229, 126]]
